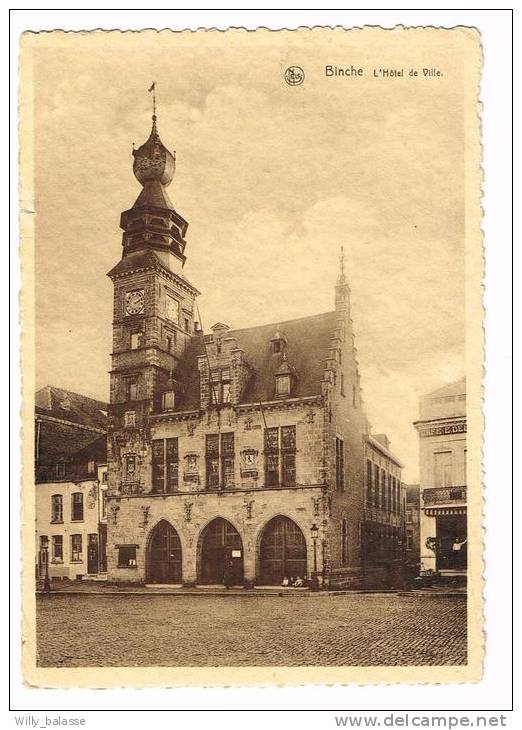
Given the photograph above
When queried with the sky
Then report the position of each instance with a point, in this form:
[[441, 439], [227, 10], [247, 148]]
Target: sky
[[273, 180]]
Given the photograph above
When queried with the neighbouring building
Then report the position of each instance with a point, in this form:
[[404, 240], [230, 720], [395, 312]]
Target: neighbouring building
[[71, 484], [413, 529], [234, 453], [383, 527], [443, 511]]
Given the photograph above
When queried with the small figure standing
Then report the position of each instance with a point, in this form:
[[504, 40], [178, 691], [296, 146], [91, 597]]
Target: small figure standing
[[228, 573]]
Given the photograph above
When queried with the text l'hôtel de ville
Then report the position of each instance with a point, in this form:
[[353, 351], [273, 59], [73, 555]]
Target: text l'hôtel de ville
[[382, 73]]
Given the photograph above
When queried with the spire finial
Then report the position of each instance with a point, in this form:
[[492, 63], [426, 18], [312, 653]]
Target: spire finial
[[342, 281], [341, 260], [152, 89]]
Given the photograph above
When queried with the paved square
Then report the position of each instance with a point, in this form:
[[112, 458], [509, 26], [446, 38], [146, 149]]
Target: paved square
[[175, 630]]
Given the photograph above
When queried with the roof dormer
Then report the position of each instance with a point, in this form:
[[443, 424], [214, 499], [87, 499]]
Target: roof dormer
[[278, 343], [285, 378]]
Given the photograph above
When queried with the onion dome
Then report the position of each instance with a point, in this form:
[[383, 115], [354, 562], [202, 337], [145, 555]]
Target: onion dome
[[153, 161]]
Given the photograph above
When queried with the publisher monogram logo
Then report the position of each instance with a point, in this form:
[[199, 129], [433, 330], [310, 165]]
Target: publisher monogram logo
[[294, 75]]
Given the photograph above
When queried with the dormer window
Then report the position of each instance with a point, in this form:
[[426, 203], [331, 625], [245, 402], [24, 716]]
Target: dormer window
[[168, 400], [283, 385], [60, 470], [284, 377], [277, 343]]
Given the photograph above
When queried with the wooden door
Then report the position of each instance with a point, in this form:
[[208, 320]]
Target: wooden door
[[221, 545], [282, 552], [92, 553], [164, 555]]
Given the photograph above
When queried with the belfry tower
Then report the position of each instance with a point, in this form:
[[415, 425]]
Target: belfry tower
[[153, 316]]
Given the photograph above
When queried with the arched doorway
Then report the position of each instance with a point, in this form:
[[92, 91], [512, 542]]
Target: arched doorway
[[221, 548], [282, 551], [164, 554]]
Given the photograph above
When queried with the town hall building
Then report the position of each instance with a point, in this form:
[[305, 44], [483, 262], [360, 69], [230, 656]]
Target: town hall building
[[240, 452]]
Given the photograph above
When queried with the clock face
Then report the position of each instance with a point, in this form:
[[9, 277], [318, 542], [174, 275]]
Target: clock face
[[172, 309], [134, 301]]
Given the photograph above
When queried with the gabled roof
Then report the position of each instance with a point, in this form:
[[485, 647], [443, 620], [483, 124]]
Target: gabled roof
[[308, 340], [69, 406]]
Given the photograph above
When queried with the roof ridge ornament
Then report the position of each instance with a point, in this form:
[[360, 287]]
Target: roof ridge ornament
[[152, 89]]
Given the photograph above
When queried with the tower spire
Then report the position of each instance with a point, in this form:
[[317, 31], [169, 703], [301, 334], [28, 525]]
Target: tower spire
[[342, 288], [152, 89], [342, 277]]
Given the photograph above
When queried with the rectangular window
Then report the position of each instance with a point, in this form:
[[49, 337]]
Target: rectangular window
[[342, 382], [227, 459], [76, 548], [168, 400], [220, 386], [127, 556], [57, 508], [132, 389], [282, 385], [104, 504], [344, 541], [136, 340], [369, 482], [443, 469], [339, 464], [91, 466], [409, 540], [280, 459], [383, 489], [77, 506], [409, 516], [129, 419], [390, 498], [165, 465], [288, 447], [169, 343], [158, 465], [377, 483], [57, 548], [60, 470], [212, 461], [171, 451]]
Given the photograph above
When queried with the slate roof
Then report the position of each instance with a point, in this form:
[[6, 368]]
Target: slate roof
[[155, 195], [144, 260], [69, 406], [308, 341], [68, 423]]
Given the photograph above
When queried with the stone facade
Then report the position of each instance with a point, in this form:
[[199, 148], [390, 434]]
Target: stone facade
[[236, 450]]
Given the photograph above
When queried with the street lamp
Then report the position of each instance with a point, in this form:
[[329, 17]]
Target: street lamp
[[47, 582], [315, 534]]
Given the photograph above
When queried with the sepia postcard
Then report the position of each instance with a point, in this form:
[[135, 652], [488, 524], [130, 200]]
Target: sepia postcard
[[252, 353]]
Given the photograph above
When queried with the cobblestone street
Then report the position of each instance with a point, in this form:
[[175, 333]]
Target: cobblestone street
[[162, 630]]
